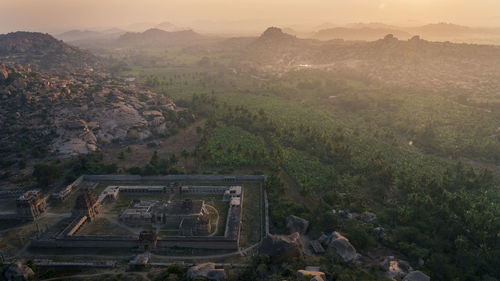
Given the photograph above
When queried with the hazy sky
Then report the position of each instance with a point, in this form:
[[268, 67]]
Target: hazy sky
[[52, 15]]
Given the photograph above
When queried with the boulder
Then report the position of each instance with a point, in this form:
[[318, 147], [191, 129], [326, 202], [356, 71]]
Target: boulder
[[379, 232], [296, 224], [417, 276], [283, 247], [342, 248], [206, 270], [368, 217], [317, 278], [19, 272], [346, 214], [395, 268], [303, 273], [324, 240]]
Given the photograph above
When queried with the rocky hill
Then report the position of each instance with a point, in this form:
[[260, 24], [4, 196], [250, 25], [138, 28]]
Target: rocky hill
[[279, 48], [436, 65], [42, 52], [46, 114], [76, 36]]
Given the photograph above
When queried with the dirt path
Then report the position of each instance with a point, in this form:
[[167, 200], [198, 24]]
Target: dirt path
[[108, 272], [241, 252], [112, 218], [217, 222]]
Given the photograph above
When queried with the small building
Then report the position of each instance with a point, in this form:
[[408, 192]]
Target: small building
[[138, 212], [235, 202], [231, 192], [140, 262], [148, 239], [31, 205], [190, 217]]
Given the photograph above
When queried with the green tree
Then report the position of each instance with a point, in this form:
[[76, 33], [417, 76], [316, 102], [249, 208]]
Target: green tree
[[46, 174]]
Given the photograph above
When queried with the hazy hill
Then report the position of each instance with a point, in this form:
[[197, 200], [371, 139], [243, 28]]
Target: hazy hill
[[44, 52], [433, 32], [168, 26], [86, 35], [403, 62], [158, 38], [457, 33], [362, 33]]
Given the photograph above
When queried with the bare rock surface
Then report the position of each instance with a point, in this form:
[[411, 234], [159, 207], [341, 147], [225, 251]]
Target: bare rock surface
[[206, 270], [417, 276], [79, 114], [303, 273], [342, 248], [395, 268]]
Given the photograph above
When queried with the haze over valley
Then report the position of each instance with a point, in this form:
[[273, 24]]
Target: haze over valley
[[250, 140]]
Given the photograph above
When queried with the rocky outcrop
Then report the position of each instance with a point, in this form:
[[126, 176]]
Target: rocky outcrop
[[206, 270], [19, 272], [394, 268], [342, 248], [313, 274], [368, 217], [120, 122], [417, 276], [296, 224], [324, 240], [74, 138], [281, 246], [4, 74], [68, 116]]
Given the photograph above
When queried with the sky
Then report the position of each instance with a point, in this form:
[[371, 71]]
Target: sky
[[61, 15]]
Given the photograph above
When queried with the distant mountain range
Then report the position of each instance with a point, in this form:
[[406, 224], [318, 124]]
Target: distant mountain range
[[154, 37], [374, 31], [158, 38], [88, 35], [363, 33], [85, 37]]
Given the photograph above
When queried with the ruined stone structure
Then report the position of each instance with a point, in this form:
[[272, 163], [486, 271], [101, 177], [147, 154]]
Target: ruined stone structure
[[64, 193], [148, 239], [31, 205], [190, 217], [86, 205]]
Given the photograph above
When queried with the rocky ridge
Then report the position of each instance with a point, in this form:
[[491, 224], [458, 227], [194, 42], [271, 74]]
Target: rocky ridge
[[70, 116]]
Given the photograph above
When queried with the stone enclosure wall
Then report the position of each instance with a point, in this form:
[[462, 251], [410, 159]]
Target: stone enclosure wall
[[230, 241]]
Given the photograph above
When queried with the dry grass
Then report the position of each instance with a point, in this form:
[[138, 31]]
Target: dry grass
[[141, 153]]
